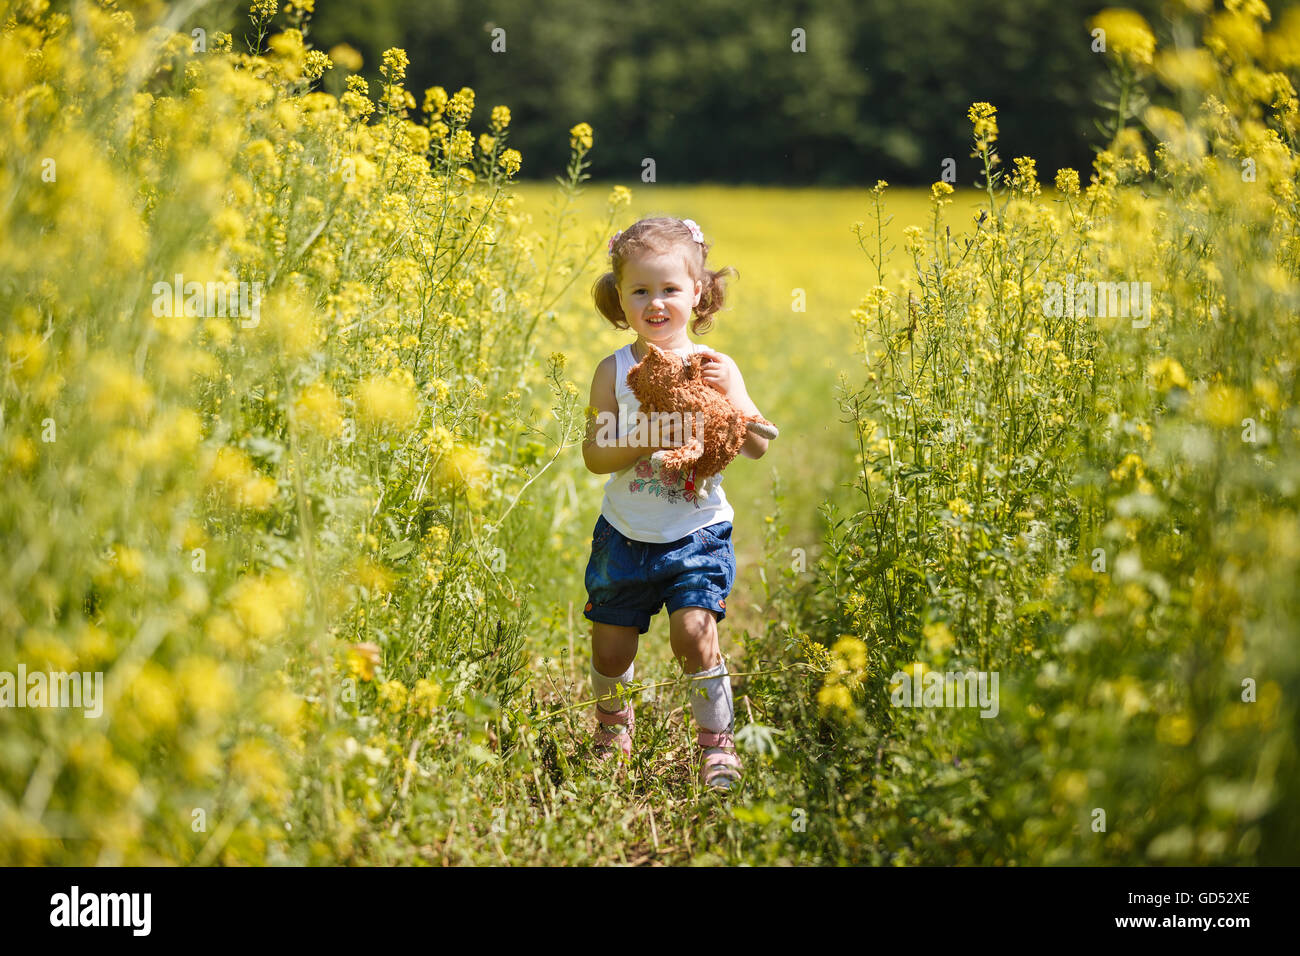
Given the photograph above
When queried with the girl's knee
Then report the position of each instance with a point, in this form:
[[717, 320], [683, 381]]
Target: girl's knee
[[694, 636], [613, 648], [698, 623]]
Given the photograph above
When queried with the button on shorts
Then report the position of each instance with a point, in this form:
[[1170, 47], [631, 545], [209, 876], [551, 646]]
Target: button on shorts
[[629, 581]]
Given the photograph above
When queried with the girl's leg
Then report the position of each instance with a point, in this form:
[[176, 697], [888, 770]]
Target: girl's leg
[[613, 648], [694, 636]]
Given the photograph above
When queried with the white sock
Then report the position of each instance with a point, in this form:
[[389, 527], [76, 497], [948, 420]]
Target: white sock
[[711, 703], [602, 685]]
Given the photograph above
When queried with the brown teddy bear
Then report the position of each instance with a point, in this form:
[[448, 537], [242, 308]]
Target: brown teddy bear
[[666, 382]]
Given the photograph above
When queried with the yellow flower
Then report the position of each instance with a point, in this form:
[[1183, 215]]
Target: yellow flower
[[231, 472], [852, 652], [500, 118], [960, 507], [939, 190], [254, 764], [425, 697], [620, 196], [291, 319], [1131, 465], [363, 659], [206, 686], [356, 101], [129, 562], [938, 638], [1222, 405], [1266, 391], [463, 467], [1167, 374], [1129, 149], [317, 407], [390, 401], [224, 632], [375, 578], [1025, 178], [1284, 42], [835, 696], [510, 161], [393, 64], [461, 105], [1235, 35], [346, 56], [201, 758], [984, 118], [262, 11], [280, 708], [153, 698], [393, 695], [1175, 730], [461, 146], [93, 644], [1067, 181], [580, 137], [1127, 35], [435, 101], [265, 604], [1188, 68], [1070, 785], [439, 439], [288, 48], [27, 354], [118, 392], [258, 493]]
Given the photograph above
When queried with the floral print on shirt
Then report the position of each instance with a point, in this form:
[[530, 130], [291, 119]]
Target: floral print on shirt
[[647, 480]]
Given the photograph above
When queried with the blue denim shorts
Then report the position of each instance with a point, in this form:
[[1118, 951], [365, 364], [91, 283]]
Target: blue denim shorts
[[629, 581]]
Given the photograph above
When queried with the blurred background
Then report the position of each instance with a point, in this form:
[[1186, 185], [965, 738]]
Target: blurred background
[[712, 91]]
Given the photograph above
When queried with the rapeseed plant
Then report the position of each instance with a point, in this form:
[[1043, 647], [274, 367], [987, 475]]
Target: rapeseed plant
[[194, 488]]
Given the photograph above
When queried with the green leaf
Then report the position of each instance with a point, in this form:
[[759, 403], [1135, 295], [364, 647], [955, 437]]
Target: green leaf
[[400, 550]]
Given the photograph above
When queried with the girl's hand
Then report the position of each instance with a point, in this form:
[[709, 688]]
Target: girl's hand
[[717, 372]]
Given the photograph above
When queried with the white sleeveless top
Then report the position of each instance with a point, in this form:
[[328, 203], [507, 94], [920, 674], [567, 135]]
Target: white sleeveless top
[[637, 502]]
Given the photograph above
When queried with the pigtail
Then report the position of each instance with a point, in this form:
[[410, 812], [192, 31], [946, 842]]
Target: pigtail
[[605, 295], [712, 297]]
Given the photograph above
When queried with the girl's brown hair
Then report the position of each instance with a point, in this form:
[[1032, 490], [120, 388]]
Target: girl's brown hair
[[660, 235]]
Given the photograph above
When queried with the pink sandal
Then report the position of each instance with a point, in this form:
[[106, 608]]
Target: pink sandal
[[606, 740], [720, 768]]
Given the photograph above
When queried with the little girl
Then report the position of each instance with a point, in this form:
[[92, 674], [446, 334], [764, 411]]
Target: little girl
[[657, 542]]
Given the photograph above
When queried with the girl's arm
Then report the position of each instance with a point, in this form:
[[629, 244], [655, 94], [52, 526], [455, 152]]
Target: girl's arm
[[607, 457], [724, 375]]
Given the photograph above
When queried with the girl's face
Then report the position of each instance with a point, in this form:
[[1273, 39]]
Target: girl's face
[[657, 295]]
